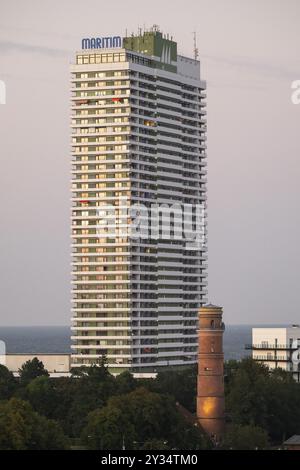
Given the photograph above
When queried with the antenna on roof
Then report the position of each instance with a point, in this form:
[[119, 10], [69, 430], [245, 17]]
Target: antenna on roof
[[196, 51]]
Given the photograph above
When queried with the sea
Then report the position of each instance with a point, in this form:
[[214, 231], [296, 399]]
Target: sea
[[56, 339]]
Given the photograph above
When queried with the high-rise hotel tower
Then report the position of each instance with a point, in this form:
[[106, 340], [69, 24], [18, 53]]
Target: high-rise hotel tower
[[138, 137]]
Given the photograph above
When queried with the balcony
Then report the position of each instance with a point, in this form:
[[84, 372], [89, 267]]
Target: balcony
[[271, 359], [272, 347]]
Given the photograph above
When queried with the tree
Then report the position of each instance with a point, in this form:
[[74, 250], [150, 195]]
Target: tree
[[100, 370], [125, 383], [247, 437], [23, 428], [246, 397], [182, 384], [155, 444], [90, 391], [14, 433], [32, 369], [109, 428], [259, 397], [78, 372], [140, 416], [48, 435], [41, 394], [8, 383]]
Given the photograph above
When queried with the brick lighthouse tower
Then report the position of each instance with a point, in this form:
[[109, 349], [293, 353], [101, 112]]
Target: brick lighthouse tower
[[210, 387]]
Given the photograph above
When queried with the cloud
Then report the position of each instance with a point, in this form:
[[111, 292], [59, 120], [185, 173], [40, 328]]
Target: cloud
[[263, 68], [8, 46], [36, 32]]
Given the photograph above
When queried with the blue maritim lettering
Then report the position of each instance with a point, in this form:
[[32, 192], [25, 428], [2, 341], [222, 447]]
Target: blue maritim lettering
[[99, 43]]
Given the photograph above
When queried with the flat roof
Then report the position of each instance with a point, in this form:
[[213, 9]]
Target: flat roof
[[37, 354]]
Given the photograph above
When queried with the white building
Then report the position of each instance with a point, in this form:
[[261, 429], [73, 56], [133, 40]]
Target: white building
[[58, 365], [277, 347], [138, 136]]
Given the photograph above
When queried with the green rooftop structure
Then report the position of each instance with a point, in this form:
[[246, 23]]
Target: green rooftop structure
[[153, 43]]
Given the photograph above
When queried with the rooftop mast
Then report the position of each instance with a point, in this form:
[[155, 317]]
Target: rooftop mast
[[196, 51]]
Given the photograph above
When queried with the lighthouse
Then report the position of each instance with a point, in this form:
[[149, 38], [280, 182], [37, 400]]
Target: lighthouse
[[210, 386]]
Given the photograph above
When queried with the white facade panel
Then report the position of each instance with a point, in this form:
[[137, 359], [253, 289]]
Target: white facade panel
[[137, 137], [277, 348]]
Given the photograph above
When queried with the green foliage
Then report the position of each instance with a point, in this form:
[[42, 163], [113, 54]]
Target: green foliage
[[138, 417], [109, 412], [41, 394], [125, 383], [238, 437], [8, 383], [32, 369], [155, 444], [89, 393], [23, 428], [268, 399], [78, 372], [182, 384]]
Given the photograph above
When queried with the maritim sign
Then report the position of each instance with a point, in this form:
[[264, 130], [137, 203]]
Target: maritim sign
[[99, 43]]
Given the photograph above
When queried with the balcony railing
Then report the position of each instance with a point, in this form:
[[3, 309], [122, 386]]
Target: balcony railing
[[271, 359], [282, 347]]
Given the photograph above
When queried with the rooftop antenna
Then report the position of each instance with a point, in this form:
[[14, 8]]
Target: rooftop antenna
[[196, 50]]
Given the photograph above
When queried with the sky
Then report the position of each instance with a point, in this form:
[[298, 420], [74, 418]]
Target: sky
[[249, 53]]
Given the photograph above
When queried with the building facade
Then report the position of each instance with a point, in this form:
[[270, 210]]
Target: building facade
[[138, 148], [277, 348]]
